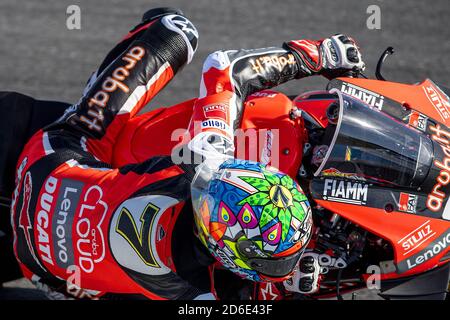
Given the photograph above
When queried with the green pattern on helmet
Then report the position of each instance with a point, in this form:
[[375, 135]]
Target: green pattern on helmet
[[256, 199], [298, 212], [280, 198], [272, 178], [298, 196], [287, 182], [285, 218], [268, 214]]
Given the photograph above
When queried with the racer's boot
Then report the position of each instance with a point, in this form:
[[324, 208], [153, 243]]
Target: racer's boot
[[147, 19]]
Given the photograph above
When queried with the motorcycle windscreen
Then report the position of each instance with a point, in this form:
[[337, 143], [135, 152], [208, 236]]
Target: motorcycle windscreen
[[370, 145]]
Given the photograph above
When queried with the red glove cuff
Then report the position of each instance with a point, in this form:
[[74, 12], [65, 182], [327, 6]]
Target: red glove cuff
[[308, 51]]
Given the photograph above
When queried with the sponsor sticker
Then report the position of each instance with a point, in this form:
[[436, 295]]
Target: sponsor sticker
[[417, 237], [90, 241], [407, 202], [215, 124], [435, 248], [438, 99], [437, 196], [333, 172], [42, 219], [62, 221], [418, 121], [264, 64], [371, 98], [117, 79], [345, 191], [216, 111]]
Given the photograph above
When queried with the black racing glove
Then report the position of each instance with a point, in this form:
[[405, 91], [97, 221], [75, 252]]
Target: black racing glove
[[331, 57]]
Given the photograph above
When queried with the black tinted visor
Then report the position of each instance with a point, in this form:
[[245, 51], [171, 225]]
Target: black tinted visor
[[275, 268]]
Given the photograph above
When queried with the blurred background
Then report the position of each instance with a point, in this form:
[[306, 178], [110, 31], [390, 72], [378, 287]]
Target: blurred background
[[42, 58]]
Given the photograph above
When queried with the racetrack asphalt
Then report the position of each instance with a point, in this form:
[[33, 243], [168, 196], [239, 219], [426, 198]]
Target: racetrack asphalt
[[40, 57]]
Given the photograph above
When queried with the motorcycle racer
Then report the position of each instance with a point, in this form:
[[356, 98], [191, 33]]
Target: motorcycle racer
[[130, 230]]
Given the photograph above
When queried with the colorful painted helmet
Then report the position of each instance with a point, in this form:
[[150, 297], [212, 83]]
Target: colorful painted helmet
[[254, 220]]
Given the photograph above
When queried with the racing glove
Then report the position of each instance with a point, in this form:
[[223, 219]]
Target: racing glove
[[307, 275], [331, 57]]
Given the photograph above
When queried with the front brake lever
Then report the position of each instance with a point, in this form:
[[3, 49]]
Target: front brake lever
[[389, 51]]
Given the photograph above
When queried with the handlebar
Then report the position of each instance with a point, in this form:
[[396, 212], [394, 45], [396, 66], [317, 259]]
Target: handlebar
[[356, 73]]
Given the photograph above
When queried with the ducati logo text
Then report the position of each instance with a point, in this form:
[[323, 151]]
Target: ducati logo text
[[43, 219]]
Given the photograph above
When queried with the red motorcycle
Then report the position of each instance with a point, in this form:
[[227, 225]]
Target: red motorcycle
[[379, 196]]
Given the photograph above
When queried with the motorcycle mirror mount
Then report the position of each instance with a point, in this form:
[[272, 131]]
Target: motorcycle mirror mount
[[387, 52]]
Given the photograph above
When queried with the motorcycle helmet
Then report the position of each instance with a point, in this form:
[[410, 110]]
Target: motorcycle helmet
[[255, 220]]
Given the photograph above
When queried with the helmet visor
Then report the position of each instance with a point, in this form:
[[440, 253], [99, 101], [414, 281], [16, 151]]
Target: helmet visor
[[274, 267]]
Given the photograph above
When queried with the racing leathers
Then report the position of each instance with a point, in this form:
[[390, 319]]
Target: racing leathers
[[87, 228]]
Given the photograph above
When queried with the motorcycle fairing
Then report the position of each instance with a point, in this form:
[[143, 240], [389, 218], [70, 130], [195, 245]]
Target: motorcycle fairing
[[266, 117], [394, 227], [314, 105], [413, 106], [367, 178], [418, 105]]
